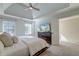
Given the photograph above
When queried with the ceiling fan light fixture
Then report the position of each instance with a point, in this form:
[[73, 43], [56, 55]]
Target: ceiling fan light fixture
[[32, 7]]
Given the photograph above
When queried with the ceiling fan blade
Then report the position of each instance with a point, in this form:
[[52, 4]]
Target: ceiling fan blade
[[30, 4], [36, 8]]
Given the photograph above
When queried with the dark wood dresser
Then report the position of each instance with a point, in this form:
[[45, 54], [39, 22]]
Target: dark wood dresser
[[46, 36]]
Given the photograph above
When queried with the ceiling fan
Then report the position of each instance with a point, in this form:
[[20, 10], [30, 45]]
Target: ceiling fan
[[30, 6]]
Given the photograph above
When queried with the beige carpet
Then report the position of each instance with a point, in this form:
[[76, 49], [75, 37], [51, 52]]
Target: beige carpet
[[64, 49]]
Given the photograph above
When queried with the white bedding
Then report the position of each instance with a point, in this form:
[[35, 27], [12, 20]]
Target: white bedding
[[24, 47], [18, 49], [35, 45]]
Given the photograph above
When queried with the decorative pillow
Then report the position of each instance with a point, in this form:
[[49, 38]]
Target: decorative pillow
[[6, 39], [15, 39], [1, 47]]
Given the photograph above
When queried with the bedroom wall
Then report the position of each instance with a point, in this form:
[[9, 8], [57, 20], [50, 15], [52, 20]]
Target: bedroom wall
[[0, 25], [54, 27], [69, 28], [6, 19], [20, 26], [1, 28]]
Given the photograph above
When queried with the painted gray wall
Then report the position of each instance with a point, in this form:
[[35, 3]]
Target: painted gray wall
[[54, 21], [54, 27], [20, 25]]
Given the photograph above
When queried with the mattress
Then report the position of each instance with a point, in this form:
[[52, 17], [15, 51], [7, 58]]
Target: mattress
[[19, 49]]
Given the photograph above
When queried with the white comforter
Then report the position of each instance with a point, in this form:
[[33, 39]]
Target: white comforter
[[18, 49], [35, 45], [31, 46]]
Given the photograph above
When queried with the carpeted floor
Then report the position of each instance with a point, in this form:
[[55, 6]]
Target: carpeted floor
[[64, 49]]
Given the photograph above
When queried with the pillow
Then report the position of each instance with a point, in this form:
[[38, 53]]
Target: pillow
[[6, 39], [15, 39], [1, 47]]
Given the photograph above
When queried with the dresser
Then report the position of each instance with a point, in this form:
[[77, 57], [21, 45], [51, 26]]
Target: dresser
[[46, 36]]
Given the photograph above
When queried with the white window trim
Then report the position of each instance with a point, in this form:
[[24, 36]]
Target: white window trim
[[9, 21]]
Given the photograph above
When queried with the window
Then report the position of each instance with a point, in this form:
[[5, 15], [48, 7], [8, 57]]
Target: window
[[9, 27], [28, 28]]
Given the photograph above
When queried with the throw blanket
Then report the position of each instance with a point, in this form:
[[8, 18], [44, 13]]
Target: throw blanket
[[36, 45]]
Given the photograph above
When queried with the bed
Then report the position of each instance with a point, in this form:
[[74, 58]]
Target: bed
[[19, 49], [36, 45], [26, 47]]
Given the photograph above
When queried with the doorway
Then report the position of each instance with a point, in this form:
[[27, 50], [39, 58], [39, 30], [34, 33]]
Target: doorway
[[69, 29]]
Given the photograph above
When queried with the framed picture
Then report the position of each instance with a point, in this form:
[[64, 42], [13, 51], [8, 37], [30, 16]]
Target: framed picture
[[45, 27]]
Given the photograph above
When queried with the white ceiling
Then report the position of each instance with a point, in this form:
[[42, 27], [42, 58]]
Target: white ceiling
[[48, 8], [17, 9]]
